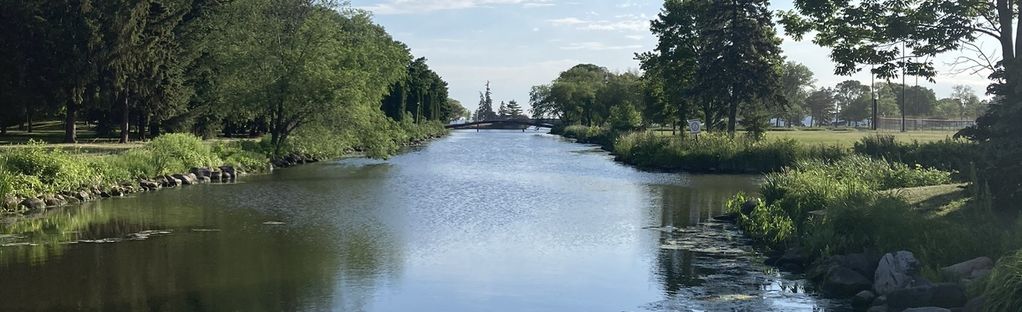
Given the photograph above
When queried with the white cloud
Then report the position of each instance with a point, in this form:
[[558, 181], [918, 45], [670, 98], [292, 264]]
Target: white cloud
[[425, 6], [631, 23], [599, 46]]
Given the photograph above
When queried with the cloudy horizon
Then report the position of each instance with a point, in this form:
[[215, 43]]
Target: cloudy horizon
[[516, 44]]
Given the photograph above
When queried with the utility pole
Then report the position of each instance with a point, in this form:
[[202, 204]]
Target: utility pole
[[904, 82], [873, 94]]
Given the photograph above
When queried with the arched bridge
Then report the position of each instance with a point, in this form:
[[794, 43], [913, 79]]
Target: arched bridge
[[506, 124]]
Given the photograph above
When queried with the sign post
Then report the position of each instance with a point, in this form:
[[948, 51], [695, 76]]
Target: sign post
[[694, 126]]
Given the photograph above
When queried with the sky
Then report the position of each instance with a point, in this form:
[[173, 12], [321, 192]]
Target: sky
[[517, 44]]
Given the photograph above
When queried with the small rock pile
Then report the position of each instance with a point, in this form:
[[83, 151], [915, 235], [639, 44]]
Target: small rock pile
[[14, 204], [293, 160], [889, 283]]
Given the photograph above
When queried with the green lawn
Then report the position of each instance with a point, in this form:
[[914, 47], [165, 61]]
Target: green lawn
[[848, 138]]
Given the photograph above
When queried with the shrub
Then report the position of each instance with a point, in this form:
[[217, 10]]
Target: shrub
[[840, 190], [35, 169], [948, 154], [1004, 287]]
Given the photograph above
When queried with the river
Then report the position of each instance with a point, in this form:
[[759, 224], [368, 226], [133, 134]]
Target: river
[[476, 221]]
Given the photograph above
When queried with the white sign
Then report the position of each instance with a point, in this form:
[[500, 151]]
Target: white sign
[[694, 126]]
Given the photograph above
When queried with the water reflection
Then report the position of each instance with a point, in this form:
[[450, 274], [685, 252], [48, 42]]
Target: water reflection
[[489, 221]]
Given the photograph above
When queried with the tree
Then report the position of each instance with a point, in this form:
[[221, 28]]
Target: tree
[[740, 59], [541, 102], [485, 110], [821, 106], [853, 101], [670, 69], [574, 92], [969, 104], [796, 82], [514, 111]]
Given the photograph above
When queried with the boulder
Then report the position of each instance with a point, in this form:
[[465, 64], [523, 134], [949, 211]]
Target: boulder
[[192, 177], [148, 185], [944, 295], [863, 263], [11, 203], [83, 196], [116, 191], [226, 177], [53, 201], [895, 271], [842, 282], [201, 172], [975, 305], [878, 308], [33, 204], [186, 179], [171, 181], [927, 309], [863, 300], [793, 260], [205, 180], [748, 206], [228, 172], [968, 270], [215, 176]]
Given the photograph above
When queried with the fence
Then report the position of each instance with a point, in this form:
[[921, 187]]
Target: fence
[[916, 124]]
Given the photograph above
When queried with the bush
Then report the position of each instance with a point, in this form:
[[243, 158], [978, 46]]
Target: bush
[[34, 169], [790, 197], [715, 153], [948, 154], [1004, 287], [590, 135]]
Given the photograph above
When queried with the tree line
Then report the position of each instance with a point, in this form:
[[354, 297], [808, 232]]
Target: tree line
[[139, 68], [506, 110], [720, 62]]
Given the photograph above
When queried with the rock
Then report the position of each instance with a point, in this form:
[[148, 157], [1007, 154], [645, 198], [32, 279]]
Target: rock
[[171, 181], [11, 203], [975, 305], [863, 263], [863, 299], [842, 282], [205, 180], [895, 271], [33, 204], [748, 206], [228, 172], [792, 267], [186, 179], [793, 256], [927, 309], [116, 191], [215, 176], [148, 185], [226, 177], [83, 196], [201, 172], [878, 308], [964, 271], [192, 177], [53, 201], [944, 295]]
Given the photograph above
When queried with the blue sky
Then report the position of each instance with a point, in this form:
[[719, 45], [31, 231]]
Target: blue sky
[[517, 44]]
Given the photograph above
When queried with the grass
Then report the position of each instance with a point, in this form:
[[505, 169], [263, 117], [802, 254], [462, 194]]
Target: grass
[[848, 138]]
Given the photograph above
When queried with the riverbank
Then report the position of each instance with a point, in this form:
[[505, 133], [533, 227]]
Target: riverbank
[[852, 217], [36, 176]]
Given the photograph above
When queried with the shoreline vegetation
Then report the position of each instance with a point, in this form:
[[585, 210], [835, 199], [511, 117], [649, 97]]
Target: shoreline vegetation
[[885, 224], [35, 177]]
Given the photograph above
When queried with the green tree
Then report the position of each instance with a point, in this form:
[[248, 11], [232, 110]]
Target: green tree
[[485, 109], [514, 111], [740, 59], [795, 84], [821, 106]]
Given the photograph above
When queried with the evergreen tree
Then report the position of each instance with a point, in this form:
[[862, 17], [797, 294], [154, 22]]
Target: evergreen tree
[[485, 110], [514, 111]]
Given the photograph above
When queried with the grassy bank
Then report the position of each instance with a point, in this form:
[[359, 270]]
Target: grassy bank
[[37, 169]]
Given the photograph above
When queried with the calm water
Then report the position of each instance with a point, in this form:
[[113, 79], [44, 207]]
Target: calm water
[[489, 221]]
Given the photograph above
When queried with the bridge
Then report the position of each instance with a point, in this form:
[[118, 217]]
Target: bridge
[[507, 124]]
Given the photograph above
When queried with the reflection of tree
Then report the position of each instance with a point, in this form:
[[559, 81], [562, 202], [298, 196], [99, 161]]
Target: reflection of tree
[[685, 205], [316, 261]]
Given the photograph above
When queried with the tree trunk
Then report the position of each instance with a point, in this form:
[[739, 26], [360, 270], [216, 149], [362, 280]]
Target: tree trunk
[[125, 120], [143, 126], [28, 118], [70, 120], [732, 115]]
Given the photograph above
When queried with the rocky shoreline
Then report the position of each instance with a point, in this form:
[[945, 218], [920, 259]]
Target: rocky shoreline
[[889, 282], [13, 205]]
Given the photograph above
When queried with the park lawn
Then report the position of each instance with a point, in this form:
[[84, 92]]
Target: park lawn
[[849, 137]]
